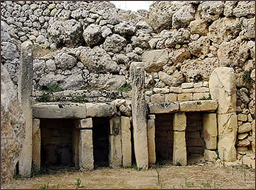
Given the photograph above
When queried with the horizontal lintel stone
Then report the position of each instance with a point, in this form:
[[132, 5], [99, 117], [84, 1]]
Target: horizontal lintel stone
[[200, 105]]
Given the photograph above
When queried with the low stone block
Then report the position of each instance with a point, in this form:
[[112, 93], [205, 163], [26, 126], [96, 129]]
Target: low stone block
[[244, 142], [179, 121], [202, 89], [200, 105], [242, 136], [246, 127], [59, 110], [187, 85], [185, 97], [100, 109], [199, 96], [242, 117], [157, 98], [179, 148], [210, 130], [171, 97], [86, 123], [161, 90], [176, 90], [167, 107], [210, 155]]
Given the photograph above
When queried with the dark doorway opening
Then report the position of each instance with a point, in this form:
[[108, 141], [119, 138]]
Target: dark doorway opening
[[195, 137], [101, 131], [57, 143], [164, 138], [132, 146]]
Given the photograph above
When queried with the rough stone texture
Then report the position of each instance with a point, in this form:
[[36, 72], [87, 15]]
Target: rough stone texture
[[155, 60], [115, 154], [210, 155], [36, 146], [92, 35], [179, 148], [179, 122], [244, 8], [172, 80], [223, 89], [179, 55], [211, 11], [227, 130], [167, 107], [245, 127], [183, 16], [139, 114], [126, 141], [157, 98], [85, 123], [24, 94], [253, 136], [65, 61], [200, 46], [151, 140], [86, 160], [114, 43], [200, 105], [12, 127], [210, 130], [100, 110], [198, 26]]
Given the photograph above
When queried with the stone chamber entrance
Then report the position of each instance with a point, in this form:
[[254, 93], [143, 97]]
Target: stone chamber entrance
[[164, 138], [57, 143], [101, 131]]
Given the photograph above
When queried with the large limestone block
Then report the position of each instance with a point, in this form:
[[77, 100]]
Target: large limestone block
[[86, 159], [227, 131], [100, 109], [126, 141], [155, 60], [59, 110], [179, 148], [179, 121], [86, 123], [167, 107], [223, 89], [36, 146], [151, 140], [210, 130], [210, 155], [139, 110], [199, 105], [115, 155]]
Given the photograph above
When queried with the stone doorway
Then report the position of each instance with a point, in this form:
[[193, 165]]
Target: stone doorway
[[58, 141], [195, 142], [101, 131], [164, 138]]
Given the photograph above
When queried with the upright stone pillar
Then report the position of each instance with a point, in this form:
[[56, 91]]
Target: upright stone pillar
[[75, 145], [115, 156], [25, 81], [223, 89], [179, 139], [126, 141], [151, 140], [86, 160], [36, 148], [139, 111]]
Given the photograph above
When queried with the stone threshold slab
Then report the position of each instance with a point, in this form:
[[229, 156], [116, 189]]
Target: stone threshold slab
[[184, 106]]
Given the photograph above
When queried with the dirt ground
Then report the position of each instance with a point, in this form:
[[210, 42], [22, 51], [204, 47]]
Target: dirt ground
[[204, 176]]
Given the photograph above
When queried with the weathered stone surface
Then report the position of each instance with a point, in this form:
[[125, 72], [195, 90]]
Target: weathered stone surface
[[25, 80], [171, 97], [155, 60], [68, 32], [246, 127], [210, 130], [179, 148], [179, 122], [253, 136], [179, 55], [92, 35], [210, 155], [175, 79], [60, 110], [36, 146], [100, 110], [223, 89], [167, 107], [85, 123], [198, 26], [187, 85], [201, 105], [151, 140], [157, 98], [200, 96], [244, 8], [242, 136], [124, 29], [12, 127], [224, 29], [86, 160], [248, 29], [126, 141], [242, 117], [177, 37], [211, 11], [185, 97], [200, 46], [114, 43], [183, 16], [115, 154], [227, 130], [244, 142], [65, 61], [161, 90], [139, 114]]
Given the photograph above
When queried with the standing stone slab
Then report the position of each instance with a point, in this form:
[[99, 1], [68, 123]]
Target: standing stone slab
[[36, 148], [210, 130], [139, 110], [115, 155], [179, 148], [126, 141], [86, 160], [179, 121], [25, 83], [75, 145], [151, 139]]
